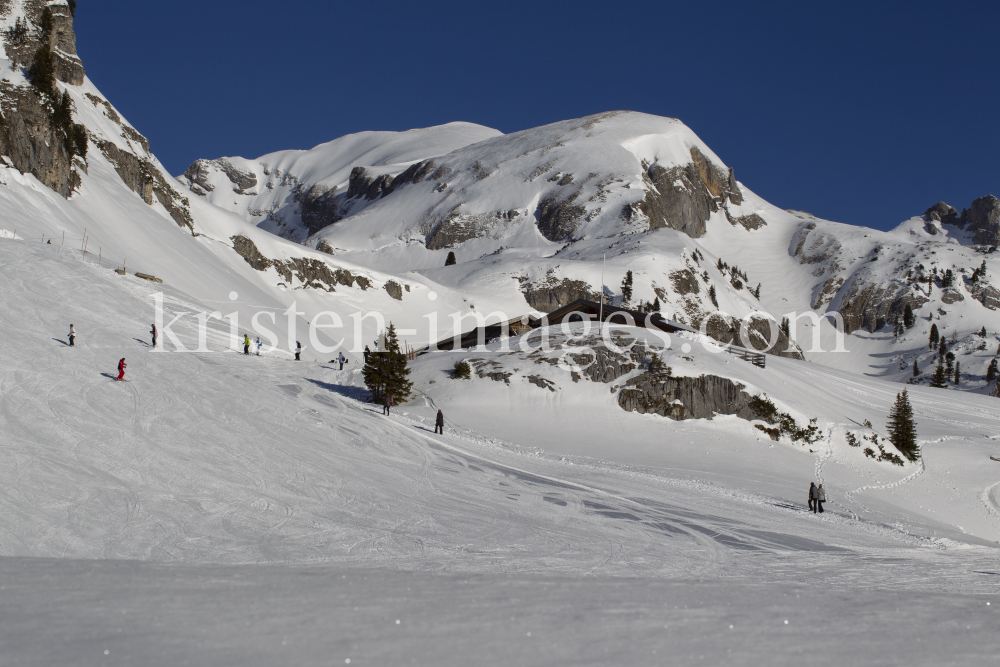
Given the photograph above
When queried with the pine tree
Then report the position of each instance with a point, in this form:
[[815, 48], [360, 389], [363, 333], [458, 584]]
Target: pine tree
[[991, 371], [935, 336], [916, 370], [450, 261], [939, 380], [627, 287], [386, 373], [958, 372], [45, 23], [908, 316], [756, 292], [949, 360], [942, 347], [902, 430], [656, 305], [785, 327], [80, 140], [982, 332], [43, 70], [715, 302], [72, 8]]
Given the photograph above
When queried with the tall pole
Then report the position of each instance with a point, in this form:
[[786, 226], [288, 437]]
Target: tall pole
[[600, 318]]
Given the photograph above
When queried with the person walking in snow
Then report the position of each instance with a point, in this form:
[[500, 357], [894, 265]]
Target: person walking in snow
[[367, 353], [341, 358], [258, 345], [820, 498], [439, 423], [152, 332], [298, 351], [121, 369], [812, 496], [246, 344], [386, 404], [72, 336]]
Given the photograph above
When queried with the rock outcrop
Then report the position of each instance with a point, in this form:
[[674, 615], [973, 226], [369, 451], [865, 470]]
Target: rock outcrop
[[942, 212], [312, 273], [983, 219], [871, 307], [198, 173], [31, 141], [686, 397], [61, 39], [552, 294], [683, 198]]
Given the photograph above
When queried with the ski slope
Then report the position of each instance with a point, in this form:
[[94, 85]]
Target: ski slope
[[265, 499]]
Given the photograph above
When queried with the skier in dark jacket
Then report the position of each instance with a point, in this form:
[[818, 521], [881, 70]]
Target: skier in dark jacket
[[820, 498], [367, 352], [386, 404], [812, 496], [72, 336], [439, 423], [121, 369], [298, 351], [153, 334]]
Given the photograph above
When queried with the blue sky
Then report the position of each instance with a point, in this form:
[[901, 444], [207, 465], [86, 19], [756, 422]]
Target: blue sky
[[865, 113]]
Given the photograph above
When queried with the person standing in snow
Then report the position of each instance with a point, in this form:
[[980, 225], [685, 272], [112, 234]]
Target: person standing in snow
[[341, 358], [367, 353], [812, 496], [820, 498], [152, 332], [72, 336], [439, 423], [386, 404], [246, 344], [121, 369], [298, 351], [258, 345]]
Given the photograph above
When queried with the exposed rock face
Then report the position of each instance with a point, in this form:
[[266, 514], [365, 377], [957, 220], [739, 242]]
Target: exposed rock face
[[320, 207], [686, 397], [986, 294], [874, 306], [460, 227], [61, 40], [144, 179], [951, 296], [603, 365], [32, 143], [760, 331], [394, 289], [683, 198], [200, 170], [558, 218], [684, 282], [311, 272], [983, 218], [942, 212], [552, 294]]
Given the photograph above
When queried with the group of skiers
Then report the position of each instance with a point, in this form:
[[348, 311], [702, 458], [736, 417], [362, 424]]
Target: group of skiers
[[817, 496]]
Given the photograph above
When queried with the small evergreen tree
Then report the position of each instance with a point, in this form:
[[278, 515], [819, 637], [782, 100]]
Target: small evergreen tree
[[982, 332], [908, 316], [991, 371], [756, 292], [656, 305], [916, 370], [462, 371], [902, 430], [80, 140], [627, 287], [939, 379], [942, 347], [450, 261], [934, 337], [42, 72], [715, 302], [786, 327], [949, 360], [45, 23], [72, 8], [386, 373], [958, 372]]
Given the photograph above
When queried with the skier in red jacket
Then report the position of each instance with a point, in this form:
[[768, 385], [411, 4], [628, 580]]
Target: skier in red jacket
[[121, 369]]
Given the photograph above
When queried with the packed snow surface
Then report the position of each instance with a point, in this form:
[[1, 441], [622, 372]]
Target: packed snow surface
[[265, 502]]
